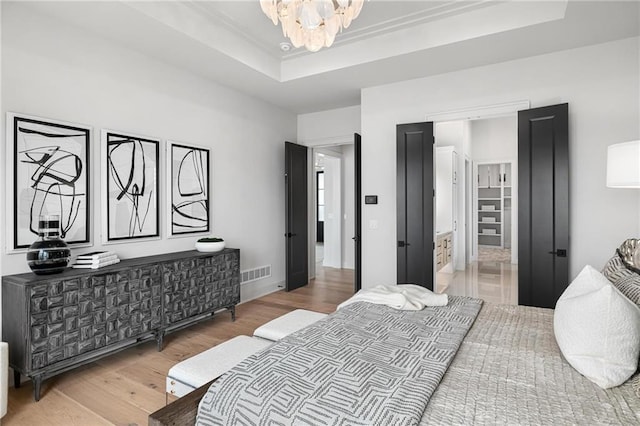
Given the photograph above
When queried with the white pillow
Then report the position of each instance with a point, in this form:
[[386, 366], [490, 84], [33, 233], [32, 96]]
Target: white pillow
[[598, 329]]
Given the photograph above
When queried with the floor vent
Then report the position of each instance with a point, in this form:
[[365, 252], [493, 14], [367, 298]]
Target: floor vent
[[255, 274]]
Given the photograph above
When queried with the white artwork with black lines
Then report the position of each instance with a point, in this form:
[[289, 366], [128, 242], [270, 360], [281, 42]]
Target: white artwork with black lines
[[50, 165], [188, 189], [132, 195]]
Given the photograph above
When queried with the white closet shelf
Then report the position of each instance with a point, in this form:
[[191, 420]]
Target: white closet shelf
[[493, 191]]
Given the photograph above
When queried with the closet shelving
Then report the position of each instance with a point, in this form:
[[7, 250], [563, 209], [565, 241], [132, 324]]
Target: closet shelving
[[494, 204]]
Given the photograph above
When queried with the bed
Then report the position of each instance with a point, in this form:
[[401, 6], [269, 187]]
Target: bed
[[507, 369]]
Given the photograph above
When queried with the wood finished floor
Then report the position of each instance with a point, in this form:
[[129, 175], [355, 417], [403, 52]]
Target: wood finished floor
[[123, 389]]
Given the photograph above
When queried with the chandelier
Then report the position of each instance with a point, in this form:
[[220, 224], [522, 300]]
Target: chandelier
[[312, 23]]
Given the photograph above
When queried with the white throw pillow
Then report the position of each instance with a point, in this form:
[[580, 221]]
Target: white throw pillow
[[598, 329]]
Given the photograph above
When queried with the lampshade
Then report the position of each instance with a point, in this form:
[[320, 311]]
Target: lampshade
[[623, 165]]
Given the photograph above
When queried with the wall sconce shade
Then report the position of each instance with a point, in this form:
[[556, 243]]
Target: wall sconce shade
[[623, 165]]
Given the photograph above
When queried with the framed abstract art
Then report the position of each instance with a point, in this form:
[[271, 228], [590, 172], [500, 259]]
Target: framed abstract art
[[49, 175], [131, 178], [188, 184]]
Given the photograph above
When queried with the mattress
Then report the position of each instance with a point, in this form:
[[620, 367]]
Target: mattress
[[509, 370]]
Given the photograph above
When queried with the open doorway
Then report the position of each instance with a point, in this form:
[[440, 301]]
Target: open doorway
[[328, 207], [333, 213], [475, 164]]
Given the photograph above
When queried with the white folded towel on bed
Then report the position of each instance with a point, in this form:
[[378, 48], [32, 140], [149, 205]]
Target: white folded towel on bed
[[405, 297]]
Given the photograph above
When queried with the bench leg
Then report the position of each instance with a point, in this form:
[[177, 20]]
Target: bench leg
[[233, 313], [16, 379]]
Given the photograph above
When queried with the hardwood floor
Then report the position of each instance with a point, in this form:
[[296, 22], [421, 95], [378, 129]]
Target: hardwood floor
[[124, 388]]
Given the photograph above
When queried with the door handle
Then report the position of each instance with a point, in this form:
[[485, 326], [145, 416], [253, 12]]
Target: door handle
[[559, 252], [289, 235], [403, 244]]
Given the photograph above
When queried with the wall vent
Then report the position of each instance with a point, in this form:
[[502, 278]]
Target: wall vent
[[255, 274]]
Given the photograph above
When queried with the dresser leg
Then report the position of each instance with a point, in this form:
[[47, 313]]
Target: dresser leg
[[160, 340], [37, 381], [233, 312], [16, 379]]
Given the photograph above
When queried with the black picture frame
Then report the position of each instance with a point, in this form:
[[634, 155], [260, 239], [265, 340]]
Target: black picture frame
[[51, 175], [132, 193], [189, 189]]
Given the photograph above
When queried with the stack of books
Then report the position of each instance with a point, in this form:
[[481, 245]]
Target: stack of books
[[96, 259]]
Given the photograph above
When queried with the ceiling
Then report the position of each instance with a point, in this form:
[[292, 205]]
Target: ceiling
[[233, 43]]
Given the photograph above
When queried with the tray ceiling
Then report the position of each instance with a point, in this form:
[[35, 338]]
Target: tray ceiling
[[235, 44]]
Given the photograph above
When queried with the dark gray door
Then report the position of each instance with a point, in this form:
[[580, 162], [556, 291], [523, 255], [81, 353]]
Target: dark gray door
[[414, 144], [543, 213], [357, 142], [296, 216]]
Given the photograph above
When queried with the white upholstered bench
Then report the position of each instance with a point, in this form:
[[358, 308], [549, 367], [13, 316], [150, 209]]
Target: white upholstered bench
[[288, 323], [194, 372]]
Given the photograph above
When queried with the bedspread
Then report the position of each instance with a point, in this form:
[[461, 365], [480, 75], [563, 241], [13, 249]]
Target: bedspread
[[509, 371], [364, 364]]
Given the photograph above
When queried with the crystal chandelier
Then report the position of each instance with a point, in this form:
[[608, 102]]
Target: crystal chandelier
[[312, 23]]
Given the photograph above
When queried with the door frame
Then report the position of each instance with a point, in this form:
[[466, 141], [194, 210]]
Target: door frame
[[340, 211], [482, 112], [313, 148], [479, 112]]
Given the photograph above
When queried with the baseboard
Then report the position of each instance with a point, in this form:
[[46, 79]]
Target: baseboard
[[255, 289]]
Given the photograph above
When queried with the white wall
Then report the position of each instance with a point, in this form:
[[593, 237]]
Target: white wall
[[332, 127], [443, 161], [601, 85], [456, 134], [332, 212], [2, 162], [495, 139], [52, 70]]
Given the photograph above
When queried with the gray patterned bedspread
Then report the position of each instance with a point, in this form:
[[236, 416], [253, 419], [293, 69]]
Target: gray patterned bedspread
[[365, 364], [509, 370]]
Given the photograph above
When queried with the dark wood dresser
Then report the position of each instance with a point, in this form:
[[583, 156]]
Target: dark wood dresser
[[54, 323]]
